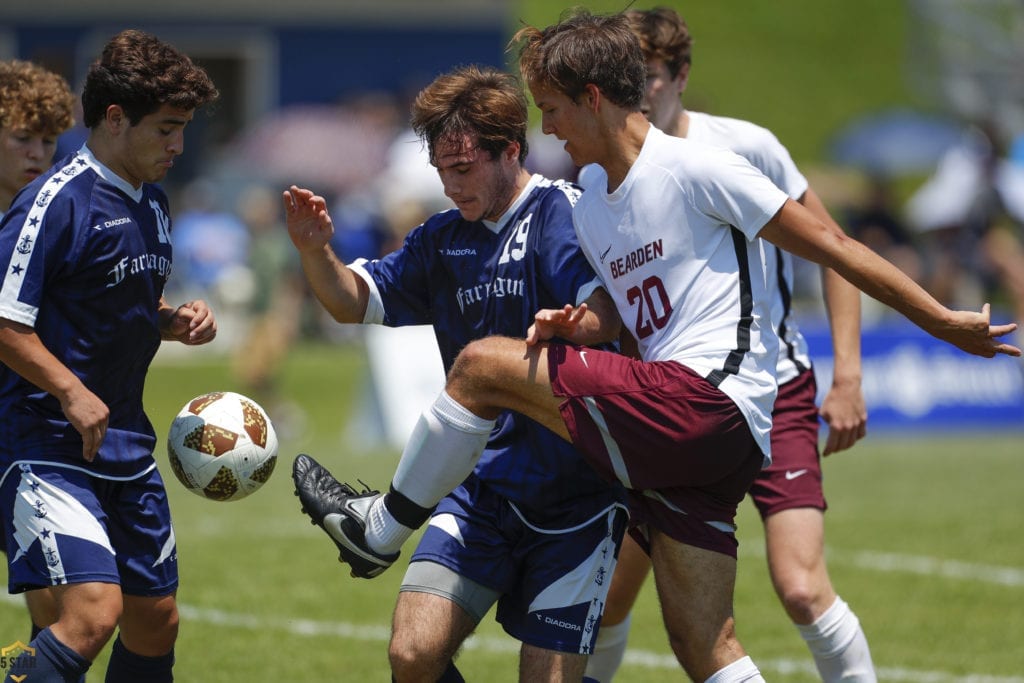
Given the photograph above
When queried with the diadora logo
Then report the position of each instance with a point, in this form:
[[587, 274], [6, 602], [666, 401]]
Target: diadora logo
[[112, 223], [567, 625], [458, 252]]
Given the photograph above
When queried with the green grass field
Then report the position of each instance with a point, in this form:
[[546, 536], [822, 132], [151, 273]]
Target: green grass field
[[922, 538]]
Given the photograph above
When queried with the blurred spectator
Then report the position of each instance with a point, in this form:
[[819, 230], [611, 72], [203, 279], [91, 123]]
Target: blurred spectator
[[210, 244], [875, 220], [275, 311], [359, 229], [409, 189], [970, 214]]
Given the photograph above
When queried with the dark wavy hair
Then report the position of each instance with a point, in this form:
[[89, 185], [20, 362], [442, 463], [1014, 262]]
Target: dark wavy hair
[[480, 101], [141, 73]]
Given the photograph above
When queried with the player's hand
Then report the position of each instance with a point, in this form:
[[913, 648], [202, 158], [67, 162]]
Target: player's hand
[[553, 322], [973, 332], [192, 323], [846, 414], [309, 225], [89, 416]]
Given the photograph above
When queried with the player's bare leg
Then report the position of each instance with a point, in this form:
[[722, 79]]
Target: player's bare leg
[[794, 540], [795, 543], [539, 665], [149, 625], [498, 373], [427, 632], [695, 588], [42, 607], [89, 613]]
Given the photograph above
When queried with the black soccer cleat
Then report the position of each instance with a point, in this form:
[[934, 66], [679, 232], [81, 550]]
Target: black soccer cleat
[[341, 511]]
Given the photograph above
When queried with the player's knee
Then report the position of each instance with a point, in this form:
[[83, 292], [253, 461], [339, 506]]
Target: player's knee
[[474, 368], [799, 598], [410, 661], [151, 629]]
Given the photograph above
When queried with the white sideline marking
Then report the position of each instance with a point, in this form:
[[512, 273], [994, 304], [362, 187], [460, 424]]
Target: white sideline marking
[[922, 565], [875, 561], [634, 657]]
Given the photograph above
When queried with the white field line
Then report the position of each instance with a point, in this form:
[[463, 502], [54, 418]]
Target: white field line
[[884, 562], [921, 565]]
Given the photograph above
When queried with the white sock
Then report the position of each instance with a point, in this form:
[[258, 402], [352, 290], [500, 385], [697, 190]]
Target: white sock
[[385, 534], [442, 451], [741, 671], [608, 652], [839, 646]]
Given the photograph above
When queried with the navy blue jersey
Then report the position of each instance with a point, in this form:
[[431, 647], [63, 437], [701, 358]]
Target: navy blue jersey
[[85, 257], [474, 279]]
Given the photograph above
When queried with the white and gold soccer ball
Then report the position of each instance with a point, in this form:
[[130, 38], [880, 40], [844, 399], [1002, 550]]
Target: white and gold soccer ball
[[222, 446]]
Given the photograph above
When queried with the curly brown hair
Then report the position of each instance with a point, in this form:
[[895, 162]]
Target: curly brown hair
[[34, 98], [141, 73]]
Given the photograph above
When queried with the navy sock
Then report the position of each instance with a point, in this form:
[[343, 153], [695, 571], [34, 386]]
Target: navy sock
[[127, 667], [54, 662], [450, 675], [406, 512]]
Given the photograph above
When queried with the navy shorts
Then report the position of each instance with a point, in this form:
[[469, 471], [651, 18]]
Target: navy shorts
[[63, 525], [677, 442], [794, 479], [552, 583]]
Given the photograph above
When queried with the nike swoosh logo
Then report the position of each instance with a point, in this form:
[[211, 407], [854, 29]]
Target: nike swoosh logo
[[793, 475], [605, 253], [583, 357]]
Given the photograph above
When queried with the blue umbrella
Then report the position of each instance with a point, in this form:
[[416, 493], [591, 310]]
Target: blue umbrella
[[893, 143]]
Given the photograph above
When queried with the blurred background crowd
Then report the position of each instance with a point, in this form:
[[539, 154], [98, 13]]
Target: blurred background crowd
[[925, 165]]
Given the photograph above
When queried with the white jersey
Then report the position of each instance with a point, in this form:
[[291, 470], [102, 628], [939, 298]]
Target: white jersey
[[761, 148], [676, 247]]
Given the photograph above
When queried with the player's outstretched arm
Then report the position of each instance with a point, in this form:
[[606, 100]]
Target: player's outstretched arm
[[341, 292], [796, 230]]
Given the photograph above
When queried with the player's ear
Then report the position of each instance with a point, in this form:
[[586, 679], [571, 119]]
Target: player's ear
[[115, 118], [683, 77], [511, 151], [591, 97]]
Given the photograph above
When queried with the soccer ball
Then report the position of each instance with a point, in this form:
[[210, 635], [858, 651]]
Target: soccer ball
[[222, 446]]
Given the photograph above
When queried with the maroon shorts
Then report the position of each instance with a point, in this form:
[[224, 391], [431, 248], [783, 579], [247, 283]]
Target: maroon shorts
[[793, 480], [679, 444]]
